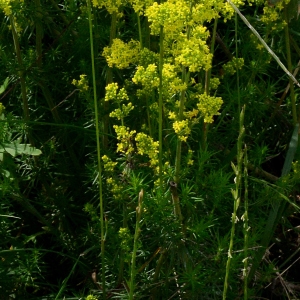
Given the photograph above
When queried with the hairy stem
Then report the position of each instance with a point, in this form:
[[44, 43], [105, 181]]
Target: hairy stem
[[237, 198]]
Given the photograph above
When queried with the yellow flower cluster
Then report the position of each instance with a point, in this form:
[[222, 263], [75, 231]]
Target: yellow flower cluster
[[193, 53], [205, 12], [82, 83], [273, 16], [209, 106], [111, 93], [214, 83], [111, 5], [191, 114], [172, 15], [147, 57], [6, 5], [125, 138], [121, 113], [121, 54], [115, 188], [139, 6], [146, 145], [171, 82], [233, 65], [182, 129], [109, 165], [148, 77]]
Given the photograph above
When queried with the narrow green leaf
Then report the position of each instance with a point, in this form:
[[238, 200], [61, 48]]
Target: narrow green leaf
[[4, 86]]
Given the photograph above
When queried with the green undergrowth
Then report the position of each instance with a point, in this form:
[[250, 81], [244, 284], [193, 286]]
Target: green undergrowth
[[149, 150]]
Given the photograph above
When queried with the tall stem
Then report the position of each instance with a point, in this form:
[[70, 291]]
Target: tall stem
[[180, 117], [246, 226], [135, 244], [160, 101], [236, 197], [140, 30], [98, 151], [175, 197]]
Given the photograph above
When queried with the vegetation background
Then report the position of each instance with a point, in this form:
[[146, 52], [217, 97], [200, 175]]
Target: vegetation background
[[149, 150]]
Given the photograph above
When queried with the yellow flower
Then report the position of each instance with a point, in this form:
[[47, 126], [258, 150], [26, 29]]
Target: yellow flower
[[172, 15], [191, 114], [146, 146], [139, 6], [111, 93], [121, 54], [121, 113], [7, 6], [109, 165], [192, 53], [182, 129], [148, 77], [125, 138], [111, 5], [82, 83], [209, 106], [231, 67]]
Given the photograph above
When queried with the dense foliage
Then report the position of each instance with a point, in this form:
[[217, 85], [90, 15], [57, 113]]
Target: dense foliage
[[149, 150]]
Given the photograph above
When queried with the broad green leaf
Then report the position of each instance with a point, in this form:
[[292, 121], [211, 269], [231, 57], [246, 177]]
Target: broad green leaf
[[15, 149]]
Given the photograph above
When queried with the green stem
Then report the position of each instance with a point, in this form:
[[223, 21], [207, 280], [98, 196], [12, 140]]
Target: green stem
[[147, 33], [135, 244], [98, 152], [246, 227], [179, 142], [237, 198], [290, 68], [160, 102], [175, 197], [140, 30]]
